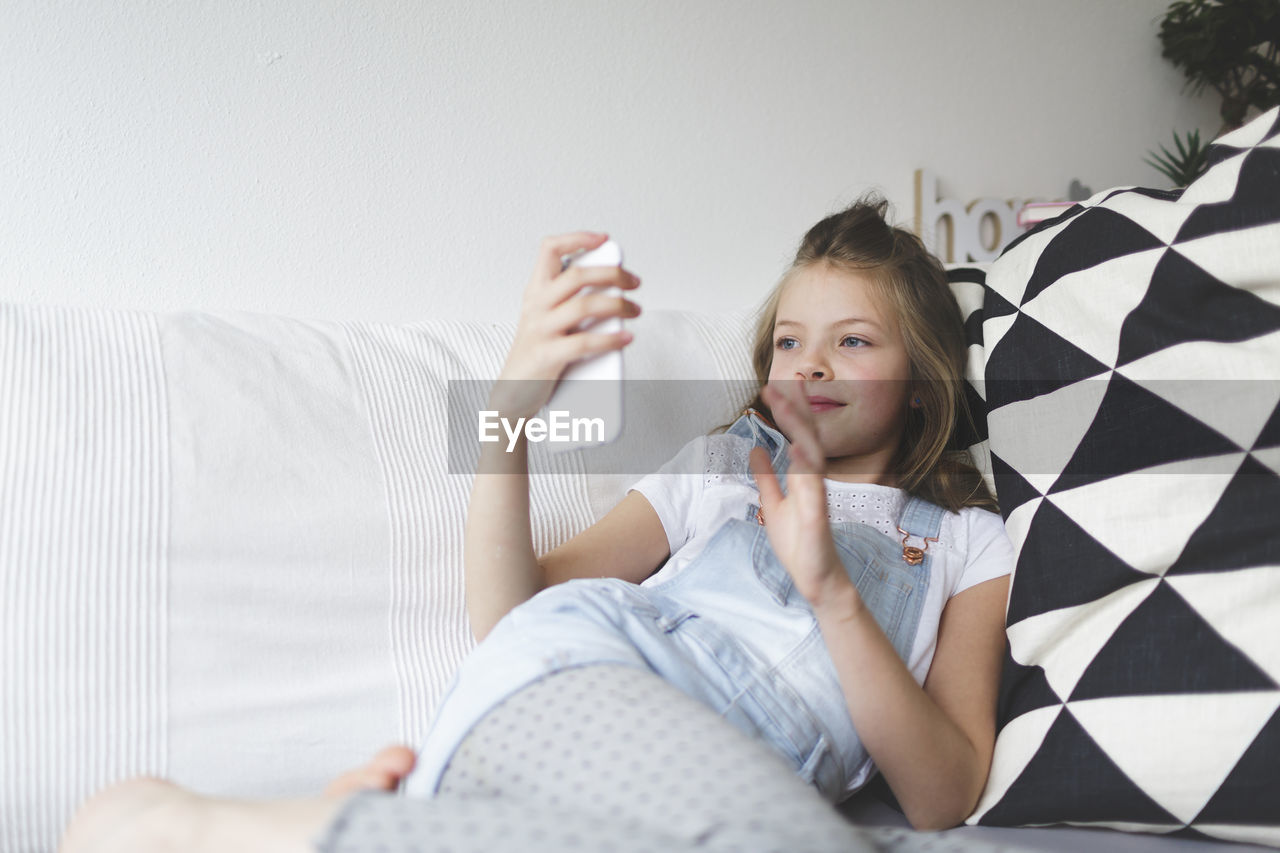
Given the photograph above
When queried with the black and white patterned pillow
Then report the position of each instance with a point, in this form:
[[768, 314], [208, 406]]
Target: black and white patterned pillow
[[1132, 385], [968, 285]]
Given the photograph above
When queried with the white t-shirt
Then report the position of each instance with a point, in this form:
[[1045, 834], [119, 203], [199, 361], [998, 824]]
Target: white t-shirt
[[972, 545]]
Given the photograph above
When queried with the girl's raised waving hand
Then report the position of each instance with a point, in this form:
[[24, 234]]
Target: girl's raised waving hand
[[796, 523], [933, 745]]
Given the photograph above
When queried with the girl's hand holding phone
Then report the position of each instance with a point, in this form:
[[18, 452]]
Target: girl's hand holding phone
[[546, 340], [797, 523]]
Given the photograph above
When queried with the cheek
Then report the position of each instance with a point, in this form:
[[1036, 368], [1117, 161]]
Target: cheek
[[883, 397]]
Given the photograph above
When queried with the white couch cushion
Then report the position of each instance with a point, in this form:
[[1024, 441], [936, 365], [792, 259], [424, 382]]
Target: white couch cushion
[[230, 547]]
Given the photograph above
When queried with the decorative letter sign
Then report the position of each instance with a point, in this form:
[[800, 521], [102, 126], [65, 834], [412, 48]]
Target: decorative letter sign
[[957, 233]]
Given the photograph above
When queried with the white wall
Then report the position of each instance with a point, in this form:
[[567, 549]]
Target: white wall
[[390, 159]]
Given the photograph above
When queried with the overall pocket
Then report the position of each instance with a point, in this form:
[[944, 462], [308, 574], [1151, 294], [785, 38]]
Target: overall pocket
[[889, 587]]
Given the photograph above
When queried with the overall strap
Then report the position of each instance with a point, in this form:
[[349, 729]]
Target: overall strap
[[919, 525], [753, 426]]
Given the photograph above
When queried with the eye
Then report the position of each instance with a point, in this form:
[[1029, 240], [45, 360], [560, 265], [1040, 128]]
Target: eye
[[781, 343], [857, 341]]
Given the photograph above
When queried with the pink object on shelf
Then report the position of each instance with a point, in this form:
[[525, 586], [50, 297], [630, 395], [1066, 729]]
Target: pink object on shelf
[[1039, 211]]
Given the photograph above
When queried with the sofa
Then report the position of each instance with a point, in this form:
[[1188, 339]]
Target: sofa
[[230, 543]]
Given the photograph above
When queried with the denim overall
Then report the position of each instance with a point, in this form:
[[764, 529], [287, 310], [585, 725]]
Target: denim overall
[[729, 629]]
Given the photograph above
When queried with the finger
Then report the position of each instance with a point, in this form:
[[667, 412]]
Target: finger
[[805, 448], [564, 318], [574, 279], [552, 249], [796, 394], [581, 345], [766, 480]]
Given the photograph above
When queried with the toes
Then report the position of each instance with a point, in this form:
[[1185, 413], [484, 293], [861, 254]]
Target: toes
[[395, 759], [408, 758], [345, 783], [396, 752], [383, 772]]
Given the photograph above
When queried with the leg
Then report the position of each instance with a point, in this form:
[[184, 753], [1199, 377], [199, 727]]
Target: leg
[[594, 759], [148, 815], [610, 757]]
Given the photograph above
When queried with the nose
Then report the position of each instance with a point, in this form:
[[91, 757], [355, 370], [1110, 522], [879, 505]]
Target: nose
[[812, 369]]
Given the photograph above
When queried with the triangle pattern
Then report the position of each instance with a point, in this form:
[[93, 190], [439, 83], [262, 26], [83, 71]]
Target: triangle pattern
[[1256, 130], [1253, 202], [1088, 240], [1039, 437], [976, 386], [1268, 458], [1010, 275], [969, 288], [1016, 745], [971, 430], [1118, 512], [1144, 516], [1242, 611], [1040, 228], [1013, 490], [1263, 830], [1101, 792], [995, 305], [1244, 259], [993, 331], [1158, 211], [1218, 183], [1121, 441], [1166, 647], [1232, 387], [1023, 689], [970, 274], [973, 329], [1241, 531], [1070, 567], [1270, 435], [1185, 303], [1178, 749], [1018, 524], [1064, 642], [1031, 360], [1250, 792], [1072, 310]]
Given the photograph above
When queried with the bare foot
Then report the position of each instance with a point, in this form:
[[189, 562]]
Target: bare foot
[[150, 815], [134, 816], [383, 773]]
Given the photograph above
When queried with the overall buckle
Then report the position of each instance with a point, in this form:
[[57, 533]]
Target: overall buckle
[[912, 555]]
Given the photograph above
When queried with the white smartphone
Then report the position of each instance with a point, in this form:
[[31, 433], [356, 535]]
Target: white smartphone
[[585, 409]]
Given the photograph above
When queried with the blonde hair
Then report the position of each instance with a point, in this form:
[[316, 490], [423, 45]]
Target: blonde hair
[[912, 283]]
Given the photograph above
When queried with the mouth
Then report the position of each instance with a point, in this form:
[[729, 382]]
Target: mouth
[[823, 404]]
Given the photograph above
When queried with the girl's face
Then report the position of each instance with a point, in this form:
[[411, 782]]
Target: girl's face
[[832, 334]]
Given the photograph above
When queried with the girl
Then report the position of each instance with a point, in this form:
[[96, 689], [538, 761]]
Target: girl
[[827, 575]]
